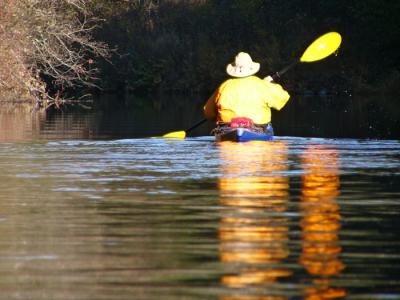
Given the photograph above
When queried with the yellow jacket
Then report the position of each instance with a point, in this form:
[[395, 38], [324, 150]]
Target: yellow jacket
[[249, 97]]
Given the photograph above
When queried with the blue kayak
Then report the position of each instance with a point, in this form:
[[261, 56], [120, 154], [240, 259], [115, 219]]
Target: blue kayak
[[242, 135]]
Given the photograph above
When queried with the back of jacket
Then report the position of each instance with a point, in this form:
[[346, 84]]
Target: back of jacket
[[249, 97]]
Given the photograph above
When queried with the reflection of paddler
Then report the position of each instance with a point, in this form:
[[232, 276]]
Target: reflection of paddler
[[252, 191], [320, 222]]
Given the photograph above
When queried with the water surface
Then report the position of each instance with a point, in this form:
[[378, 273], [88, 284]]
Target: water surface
[[148, 218]]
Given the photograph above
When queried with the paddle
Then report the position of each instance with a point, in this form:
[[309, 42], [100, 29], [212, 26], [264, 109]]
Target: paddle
[[182, 134], [320, 48]]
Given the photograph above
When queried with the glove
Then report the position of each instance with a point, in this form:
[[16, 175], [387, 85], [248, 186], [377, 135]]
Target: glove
[[268, 79]]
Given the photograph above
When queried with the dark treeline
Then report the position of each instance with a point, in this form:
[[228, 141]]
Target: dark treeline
[[184, 46], [58, 49]]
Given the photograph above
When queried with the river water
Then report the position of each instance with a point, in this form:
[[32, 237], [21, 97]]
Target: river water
[[87, 213]]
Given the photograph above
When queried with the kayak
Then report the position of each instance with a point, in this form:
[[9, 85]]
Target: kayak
[[242, 135]]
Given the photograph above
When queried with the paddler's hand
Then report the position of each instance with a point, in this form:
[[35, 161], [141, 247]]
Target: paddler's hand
[[268, 79]]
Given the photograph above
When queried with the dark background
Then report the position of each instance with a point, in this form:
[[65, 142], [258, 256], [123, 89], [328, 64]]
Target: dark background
[[183, 47]]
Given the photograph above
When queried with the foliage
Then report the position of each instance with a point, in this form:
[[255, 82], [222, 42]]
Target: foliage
[[50, 43], [184, 45]]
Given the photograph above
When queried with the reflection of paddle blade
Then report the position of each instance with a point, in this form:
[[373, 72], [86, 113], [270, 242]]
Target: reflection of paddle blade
[[322, 47], [175, 135]]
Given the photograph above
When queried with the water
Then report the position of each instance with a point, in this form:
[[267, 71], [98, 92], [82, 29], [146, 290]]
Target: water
[[87, 216], [92, 208]]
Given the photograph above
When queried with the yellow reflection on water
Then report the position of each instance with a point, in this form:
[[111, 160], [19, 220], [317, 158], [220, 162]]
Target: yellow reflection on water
[[320, 222], [253, 234]]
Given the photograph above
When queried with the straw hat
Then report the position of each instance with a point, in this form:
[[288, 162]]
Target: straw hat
[[243, 66]]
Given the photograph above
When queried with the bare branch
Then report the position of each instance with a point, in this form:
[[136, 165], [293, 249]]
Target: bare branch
[[51, 37]]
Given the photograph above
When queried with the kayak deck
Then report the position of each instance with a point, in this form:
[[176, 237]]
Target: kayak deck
[[242, 135]]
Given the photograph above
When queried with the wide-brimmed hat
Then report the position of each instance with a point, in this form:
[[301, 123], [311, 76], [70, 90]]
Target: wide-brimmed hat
[[242, 66]]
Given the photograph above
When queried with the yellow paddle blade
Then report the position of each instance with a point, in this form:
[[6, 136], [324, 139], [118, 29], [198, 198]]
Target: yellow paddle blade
[[175, 134], [322, 47]]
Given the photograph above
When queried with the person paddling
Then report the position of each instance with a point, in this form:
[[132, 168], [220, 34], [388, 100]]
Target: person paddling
[[245, 100]]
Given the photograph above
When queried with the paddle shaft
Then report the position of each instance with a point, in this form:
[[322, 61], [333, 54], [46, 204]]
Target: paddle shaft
[[278, 75], [196, 125]]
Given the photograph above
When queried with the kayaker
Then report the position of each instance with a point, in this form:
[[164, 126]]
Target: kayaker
[[245, 100]]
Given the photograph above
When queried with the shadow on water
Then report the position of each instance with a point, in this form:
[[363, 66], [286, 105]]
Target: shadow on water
[[307, 116], [339, 117]]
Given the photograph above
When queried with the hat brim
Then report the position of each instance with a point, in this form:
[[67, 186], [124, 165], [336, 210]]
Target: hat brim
[[240, 72]]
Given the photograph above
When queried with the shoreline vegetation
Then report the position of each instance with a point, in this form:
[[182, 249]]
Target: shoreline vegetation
[[55, 52], [47, 49]]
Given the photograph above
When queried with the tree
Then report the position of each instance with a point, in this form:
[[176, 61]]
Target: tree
[[50, 41]]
